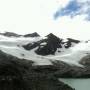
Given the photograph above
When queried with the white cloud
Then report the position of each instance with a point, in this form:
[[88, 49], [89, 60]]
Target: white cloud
[[24, 16]]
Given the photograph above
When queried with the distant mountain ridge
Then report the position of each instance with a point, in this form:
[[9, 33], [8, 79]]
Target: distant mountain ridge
[[11, 34]]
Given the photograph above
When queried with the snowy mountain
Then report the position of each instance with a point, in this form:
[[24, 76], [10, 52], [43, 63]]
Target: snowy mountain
[[37, 47], [44, 50], [48, 56]]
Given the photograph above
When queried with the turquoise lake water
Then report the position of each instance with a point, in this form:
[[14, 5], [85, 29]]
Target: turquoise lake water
[[78, 84]]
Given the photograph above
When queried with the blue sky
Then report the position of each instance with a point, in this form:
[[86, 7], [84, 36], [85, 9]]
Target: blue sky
[[74, 8], [71, 9], [65, 18]]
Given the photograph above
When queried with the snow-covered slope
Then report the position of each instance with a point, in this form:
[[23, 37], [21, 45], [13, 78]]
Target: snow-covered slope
[[70, 51]]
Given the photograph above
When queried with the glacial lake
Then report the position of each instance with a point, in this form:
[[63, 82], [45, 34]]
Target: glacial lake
[[78, 84]]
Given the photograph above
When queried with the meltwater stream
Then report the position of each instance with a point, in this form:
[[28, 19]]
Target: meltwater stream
[[77, 84]]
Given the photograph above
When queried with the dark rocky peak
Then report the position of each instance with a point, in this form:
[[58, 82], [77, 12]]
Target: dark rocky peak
[[70, 41], [52, 43], [53, 38], [35, 34], [73, 40], [51, 35], [10, 34]]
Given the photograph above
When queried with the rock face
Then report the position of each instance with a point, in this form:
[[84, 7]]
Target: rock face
[[20, 74], [69, 42], [10, 34], [50, 44], [85, 61], [35, 34], [13, 72]]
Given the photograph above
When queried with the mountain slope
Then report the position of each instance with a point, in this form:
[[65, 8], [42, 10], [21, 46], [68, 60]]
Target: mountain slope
[[20, 74]]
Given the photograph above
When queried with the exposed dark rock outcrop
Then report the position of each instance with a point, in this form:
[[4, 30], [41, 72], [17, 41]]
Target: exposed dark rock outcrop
[[69, 42], [10, 34], [13, 72], [85, 61], [31, 46], [35, 34], [52, 43]]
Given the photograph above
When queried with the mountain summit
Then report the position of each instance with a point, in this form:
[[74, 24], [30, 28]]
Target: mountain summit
[[35, 34]]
